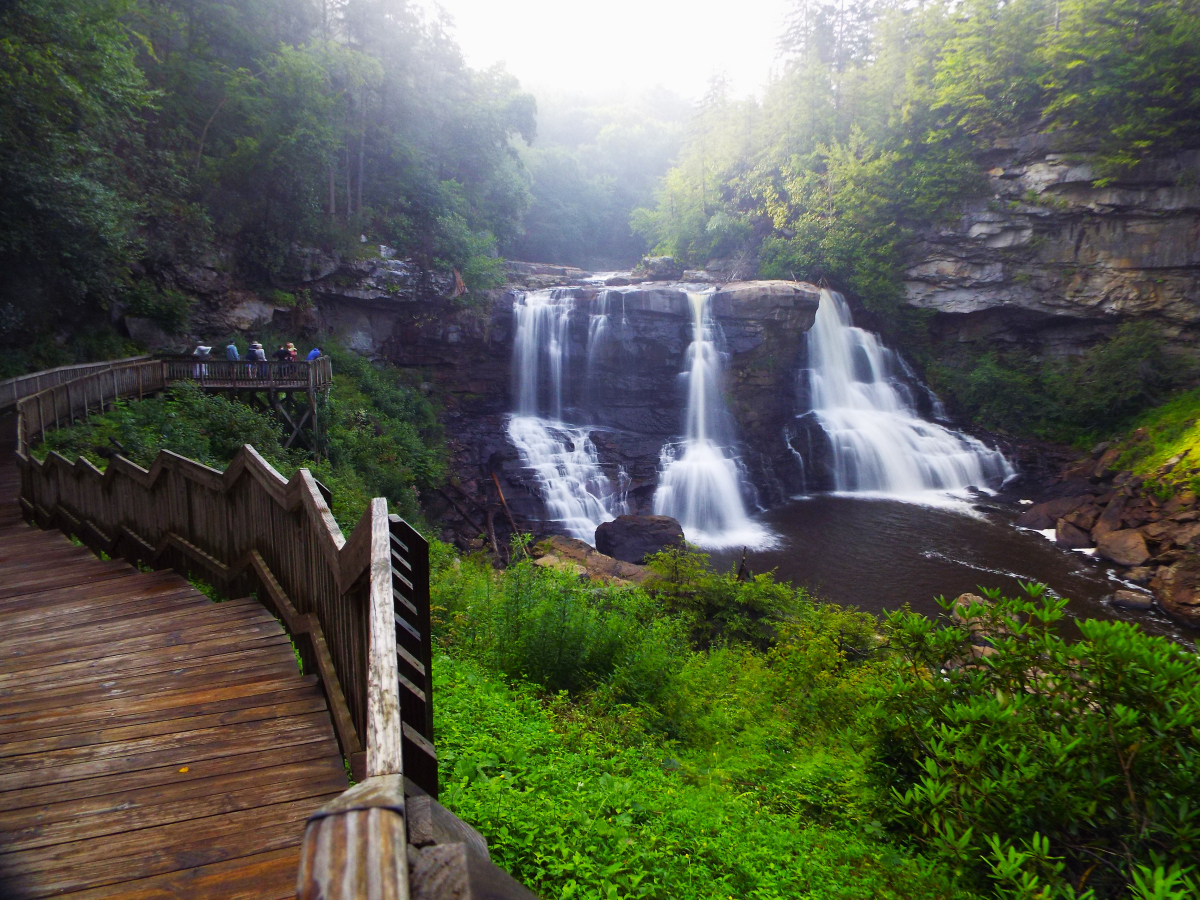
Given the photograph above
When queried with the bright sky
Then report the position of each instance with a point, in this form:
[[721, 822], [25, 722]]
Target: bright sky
[[596, 46]]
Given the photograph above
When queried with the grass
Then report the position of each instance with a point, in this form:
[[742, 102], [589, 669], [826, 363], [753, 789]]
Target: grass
[[1162, 433]]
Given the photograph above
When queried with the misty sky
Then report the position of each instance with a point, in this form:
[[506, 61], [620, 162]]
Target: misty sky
[[596, 46]]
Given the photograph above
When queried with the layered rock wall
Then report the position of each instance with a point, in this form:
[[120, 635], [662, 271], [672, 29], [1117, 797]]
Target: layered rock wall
[[1051, 262]]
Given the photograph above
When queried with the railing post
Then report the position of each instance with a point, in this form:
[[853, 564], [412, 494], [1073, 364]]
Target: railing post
[[356, 846]]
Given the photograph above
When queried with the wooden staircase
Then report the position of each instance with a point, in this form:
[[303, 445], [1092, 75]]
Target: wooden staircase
[[153, 743]]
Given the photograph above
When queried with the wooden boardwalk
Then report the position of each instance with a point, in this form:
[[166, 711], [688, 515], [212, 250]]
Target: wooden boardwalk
[[153, 744]]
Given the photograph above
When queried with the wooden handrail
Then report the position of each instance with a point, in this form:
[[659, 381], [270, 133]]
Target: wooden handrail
[[15, 389]]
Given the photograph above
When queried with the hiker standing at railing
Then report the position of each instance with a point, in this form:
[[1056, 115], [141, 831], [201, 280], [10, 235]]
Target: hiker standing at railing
[[313, 354], [201, 352], [258, 353]]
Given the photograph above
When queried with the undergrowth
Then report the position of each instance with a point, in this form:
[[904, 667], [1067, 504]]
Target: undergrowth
[[622, 741]]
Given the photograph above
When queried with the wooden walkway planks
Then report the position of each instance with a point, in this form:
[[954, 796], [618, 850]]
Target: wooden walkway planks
[[153, 743]]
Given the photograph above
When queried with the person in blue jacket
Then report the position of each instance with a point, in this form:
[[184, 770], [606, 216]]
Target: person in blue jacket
[[314, 353]]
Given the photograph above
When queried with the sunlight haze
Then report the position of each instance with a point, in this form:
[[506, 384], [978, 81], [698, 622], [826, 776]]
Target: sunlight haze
[[597, 47]]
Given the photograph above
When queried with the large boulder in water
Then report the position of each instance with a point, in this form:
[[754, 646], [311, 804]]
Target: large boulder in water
[[633, 538], [1126, 547]]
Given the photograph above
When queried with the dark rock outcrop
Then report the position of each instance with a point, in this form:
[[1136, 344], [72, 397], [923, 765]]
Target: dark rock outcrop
[[633, 538]]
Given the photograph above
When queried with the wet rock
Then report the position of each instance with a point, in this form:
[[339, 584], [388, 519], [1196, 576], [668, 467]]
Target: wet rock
[[1070, 536], [1140, 575], [1044, 515], [1104, 467], [1125, 548], [579, 558], [633, 538], [1110, 519], [1178, 590], [1084, 518], [1133, 600]]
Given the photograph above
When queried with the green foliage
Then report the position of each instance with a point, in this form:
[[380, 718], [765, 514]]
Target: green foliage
[[1053, 769], [380, 436], [1098, 393], [1163, 434], [592, 164], [577, 806], [379, 427], [70, 96], [208, 428]]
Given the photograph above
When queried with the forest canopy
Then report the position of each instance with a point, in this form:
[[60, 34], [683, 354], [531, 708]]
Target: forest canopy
[[870, 129], [140, 133]]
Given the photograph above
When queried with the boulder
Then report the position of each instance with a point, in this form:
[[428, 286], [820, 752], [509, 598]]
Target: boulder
[[578, 558], [658, 268], [633, 538], [1133, 600], [1085, 517], [1071, 537], [1045, 515], [1140, 574], [1125, 548], [1110, 519], [1178, 590]]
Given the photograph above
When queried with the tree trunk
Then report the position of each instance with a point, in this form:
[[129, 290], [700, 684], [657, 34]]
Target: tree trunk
[[332, 193], [362, 139]]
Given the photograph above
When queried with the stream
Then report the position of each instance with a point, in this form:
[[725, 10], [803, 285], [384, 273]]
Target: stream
[[879, 554]]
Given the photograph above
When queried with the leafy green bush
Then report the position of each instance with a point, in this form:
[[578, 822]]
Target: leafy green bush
[[208, 428], [580, 805], [1049, 768], [1096, 394]]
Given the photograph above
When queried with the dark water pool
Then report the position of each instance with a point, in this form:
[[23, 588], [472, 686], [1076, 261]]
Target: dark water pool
[[879, 554]]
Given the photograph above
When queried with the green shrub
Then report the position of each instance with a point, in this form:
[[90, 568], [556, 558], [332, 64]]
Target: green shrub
[[208, 428], [1075, 400], [1048, 768]]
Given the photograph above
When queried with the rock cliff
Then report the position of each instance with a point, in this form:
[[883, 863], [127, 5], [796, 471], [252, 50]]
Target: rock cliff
[[1052, 262]]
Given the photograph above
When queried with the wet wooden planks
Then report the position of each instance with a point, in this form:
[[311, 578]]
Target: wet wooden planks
[[153, 744]]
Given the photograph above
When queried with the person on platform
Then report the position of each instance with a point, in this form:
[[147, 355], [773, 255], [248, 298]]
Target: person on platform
[[314, 353], [231, 352], [204, 352], [282, 354], [291, 349]]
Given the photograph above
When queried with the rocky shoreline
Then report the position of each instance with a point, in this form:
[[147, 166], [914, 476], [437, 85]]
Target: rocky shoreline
[[1151, 535]]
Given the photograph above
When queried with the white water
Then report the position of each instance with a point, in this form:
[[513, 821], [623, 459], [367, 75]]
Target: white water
[[702, 486], [879, 443], [577, 494]]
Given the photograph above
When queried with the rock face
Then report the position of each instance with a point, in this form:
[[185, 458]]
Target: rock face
[[633, 538], [1049, 261]]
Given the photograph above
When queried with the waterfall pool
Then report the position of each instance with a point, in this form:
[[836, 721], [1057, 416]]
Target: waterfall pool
[[879, 554]]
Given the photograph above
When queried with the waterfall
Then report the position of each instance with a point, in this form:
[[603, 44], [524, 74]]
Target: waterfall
[[577, 494], [879, 444], [701, 484]]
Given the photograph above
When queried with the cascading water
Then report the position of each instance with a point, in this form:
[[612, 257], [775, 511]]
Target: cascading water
[[700, 484], [878, 442], [577, 494]]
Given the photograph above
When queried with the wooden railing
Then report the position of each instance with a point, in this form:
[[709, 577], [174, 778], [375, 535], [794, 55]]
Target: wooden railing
[[14, 389], [221, 373], [357, 610], [64, 402]]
